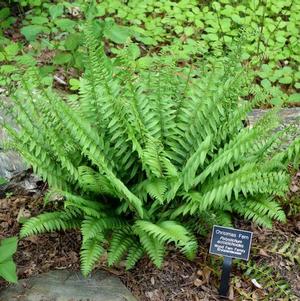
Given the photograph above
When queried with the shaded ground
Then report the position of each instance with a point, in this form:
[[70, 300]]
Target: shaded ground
[[179, 279]]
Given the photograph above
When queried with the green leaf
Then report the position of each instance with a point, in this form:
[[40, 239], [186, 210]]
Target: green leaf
[[7, 69], [39, 20], [4, 13], [8, 271], [3, 181], [286, 80], [212, 37], [216, 6], [266, 83], [117, 34], [56, 10], [72, 41], [74, 83], [276, 101], [188, 31], [134, 51], [7, 248], [147, 40], [294, 97], [11, 50], [31, 31], [100, 9], [144, 62], [62, 58], [65, 24]]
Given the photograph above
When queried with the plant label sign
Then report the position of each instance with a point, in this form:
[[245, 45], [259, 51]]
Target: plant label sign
[[230, 243]]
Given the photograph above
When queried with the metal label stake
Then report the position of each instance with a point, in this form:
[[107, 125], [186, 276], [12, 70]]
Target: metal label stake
[[225, 277], [230, 243]]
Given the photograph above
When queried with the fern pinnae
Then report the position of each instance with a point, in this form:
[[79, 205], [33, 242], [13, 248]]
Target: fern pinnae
[[120, 243], [193, 163], [91, 226], [49, 221], [135, 253], [154, 248], [90, 253]]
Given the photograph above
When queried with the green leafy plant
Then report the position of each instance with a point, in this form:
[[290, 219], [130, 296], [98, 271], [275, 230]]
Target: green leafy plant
[[289, 249], [2, 181], [28, 2], [183, 28], [8, 247], [143, 155], [275, 286]]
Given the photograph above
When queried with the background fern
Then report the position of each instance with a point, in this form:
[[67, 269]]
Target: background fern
[[141, 157], [272, 282]]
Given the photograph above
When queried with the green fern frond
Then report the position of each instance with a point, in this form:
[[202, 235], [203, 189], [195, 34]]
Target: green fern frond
[[169, 231], [193, 163], [119, 246], [153, 247], [135, 253], [293, 152], [157, 189], [290, 250], [92, 181], [49, 222], [90, 253], [270, 280], [91, 226], [142, 156], [262, 210]]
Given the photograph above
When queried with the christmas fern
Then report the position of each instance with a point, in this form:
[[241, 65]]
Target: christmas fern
[[143, 158]]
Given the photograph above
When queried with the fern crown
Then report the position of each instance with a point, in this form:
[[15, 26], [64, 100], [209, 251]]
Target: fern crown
[[146, 158]]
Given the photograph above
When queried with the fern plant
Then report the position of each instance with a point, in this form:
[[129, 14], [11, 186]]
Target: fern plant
[[275, 286], [141, 157]]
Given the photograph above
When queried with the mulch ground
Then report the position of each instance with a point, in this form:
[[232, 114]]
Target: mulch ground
[[179, 279]]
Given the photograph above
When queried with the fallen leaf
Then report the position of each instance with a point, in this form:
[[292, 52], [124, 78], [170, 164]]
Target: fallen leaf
[[294, 188], [198, 282], [231, 293], [199, 273], [262, 252], [206, 274], [254, 281], [23, 214]]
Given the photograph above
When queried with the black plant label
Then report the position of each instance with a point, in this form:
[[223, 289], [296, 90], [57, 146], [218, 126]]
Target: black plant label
[[230, 242]]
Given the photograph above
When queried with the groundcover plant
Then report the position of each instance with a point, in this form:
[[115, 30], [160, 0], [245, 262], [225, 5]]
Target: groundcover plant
[[143, 158]]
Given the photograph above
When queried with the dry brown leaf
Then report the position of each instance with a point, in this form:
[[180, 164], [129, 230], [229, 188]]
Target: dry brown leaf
[[206, 274], [198, 282], [231, 293], [294, 188], [262, 252], [23, 213]]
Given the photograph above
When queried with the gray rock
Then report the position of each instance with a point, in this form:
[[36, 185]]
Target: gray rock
[[10, 162], [68, 286], [288, 116]]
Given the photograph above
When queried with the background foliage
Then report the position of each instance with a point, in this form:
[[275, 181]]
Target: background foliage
[[8, 247], [186, 29]]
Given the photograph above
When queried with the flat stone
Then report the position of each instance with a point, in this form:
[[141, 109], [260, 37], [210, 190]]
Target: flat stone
[[288, 116], [63, 285], [10, 162]]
